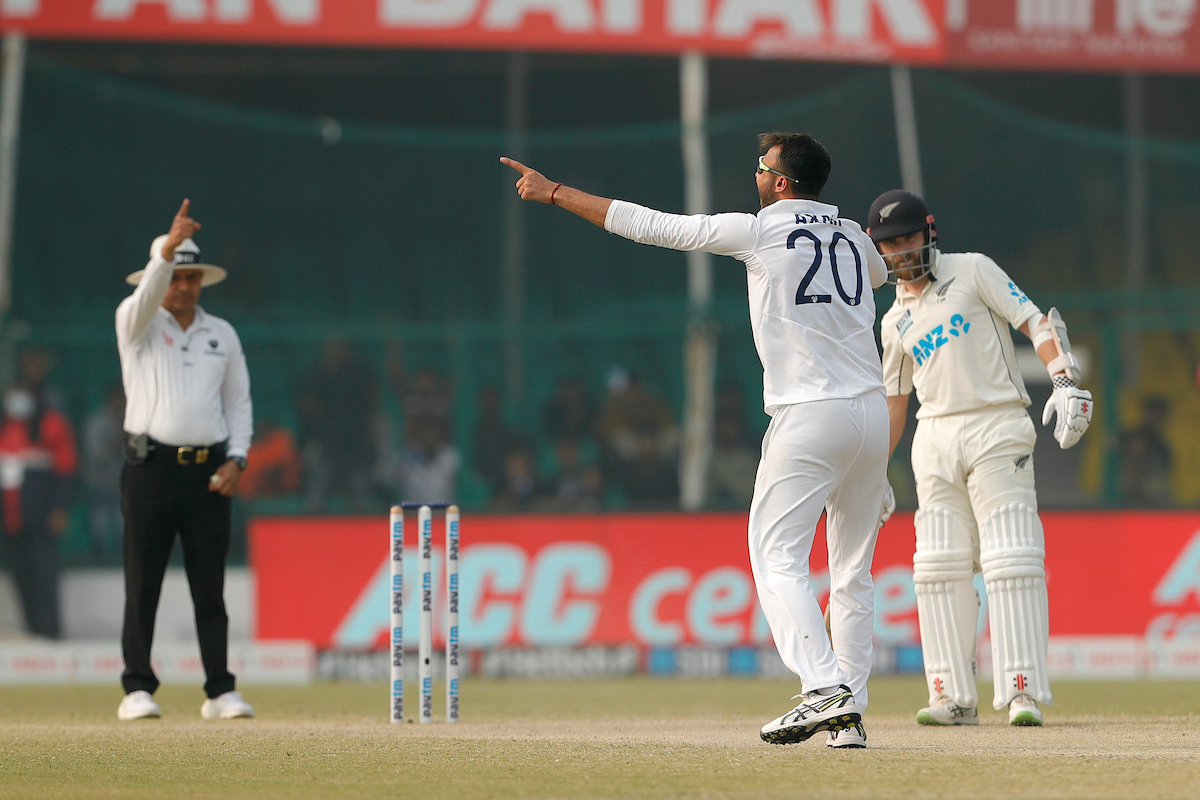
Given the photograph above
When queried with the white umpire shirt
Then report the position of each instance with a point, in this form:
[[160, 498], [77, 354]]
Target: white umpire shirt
[[181, 387], [952, 342], [809, 274]]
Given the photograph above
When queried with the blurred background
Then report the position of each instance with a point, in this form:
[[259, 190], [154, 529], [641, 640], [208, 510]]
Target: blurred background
[[415, 332]]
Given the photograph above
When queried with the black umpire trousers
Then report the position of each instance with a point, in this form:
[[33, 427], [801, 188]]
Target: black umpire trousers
[[165, 495]]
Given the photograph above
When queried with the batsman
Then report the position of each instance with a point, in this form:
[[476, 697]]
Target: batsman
[[947, 335]]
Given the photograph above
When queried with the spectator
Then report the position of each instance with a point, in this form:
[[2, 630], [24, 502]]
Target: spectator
[[639, 442], [338, 406], [103, 460], [274, 464], [569, 413], [493, 440], [576, 487], [650, 481], [424, 393], [521, 489], [1146, 458], [37, 466], [733, 467], [429, 465], [735, 458]]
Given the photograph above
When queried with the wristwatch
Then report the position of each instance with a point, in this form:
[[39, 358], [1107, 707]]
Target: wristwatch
[[240, 461]]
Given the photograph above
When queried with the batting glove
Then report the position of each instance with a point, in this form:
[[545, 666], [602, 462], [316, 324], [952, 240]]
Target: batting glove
[[1073, 407], [889, 505]]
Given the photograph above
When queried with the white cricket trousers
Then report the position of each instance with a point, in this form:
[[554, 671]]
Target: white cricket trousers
[[978, 467], [826, 455], [975, 461]]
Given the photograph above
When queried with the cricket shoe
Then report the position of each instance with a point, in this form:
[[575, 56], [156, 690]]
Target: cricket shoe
[[228, 706], [944, 711], [854, 737], [817, 712], [1024, 711], [137, 705]]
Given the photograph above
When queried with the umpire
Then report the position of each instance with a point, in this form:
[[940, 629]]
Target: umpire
[[187, 431]]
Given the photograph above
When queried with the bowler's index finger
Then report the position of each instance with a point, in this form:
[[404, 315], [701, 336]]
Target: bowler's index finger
[[183, 209], [517, 165]]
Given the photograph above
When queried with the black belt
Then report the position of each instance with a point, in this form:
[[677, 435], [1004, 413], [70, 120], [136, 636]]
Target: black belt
[[183, 454]]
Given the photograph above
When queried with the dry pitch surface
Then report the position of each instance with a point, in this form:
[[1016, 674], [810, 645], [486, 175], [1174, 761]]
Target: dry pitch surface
[[629, 738]]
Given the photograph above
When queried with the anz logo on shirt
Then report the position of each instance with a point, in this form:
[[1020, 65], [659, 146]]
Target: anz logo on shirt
[[938, 336], [1017, 293]]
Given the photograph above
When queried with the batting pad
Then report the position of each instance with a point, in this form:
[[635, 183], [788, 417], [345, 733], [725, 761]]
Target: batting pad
[[947, 606], [1012, 554]]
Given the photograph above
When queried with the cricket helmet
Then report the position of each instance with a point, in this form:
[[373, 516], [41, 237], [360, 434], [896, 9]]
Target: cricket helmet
[[900, 213]]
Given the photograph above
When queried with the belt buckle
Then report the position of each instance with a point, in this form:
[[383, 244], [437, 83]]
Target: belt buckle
[[199, 455]]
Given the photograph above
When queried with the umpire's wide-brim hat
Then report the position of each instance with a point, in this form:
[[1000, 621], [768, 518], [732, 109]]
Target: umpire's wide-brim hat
[[187, 256]]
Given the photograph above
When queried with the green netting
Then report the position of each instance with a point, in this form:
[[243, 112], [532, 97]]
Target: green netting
[[376, 233], [386, 234]]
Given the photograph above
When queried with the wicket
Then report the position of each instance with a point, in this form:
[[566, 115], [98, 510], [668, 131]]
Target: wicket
[[425, 631]]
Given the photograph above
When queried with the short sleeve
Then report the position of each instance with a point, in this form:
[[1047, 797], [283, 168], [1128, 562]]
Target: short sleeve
[[897, 365], [1001, 294]]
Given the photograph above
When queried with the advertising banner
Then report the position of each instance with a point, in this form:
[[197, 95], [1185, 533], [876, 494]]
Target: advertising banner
[[856, 30], [78, 662], [1113, 35], [680, 580]]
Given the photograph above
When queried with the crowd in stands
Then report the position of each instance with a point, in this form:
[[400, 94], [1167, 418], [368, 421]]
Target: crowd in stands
[[583, 453], [617, 449], [583, 456]]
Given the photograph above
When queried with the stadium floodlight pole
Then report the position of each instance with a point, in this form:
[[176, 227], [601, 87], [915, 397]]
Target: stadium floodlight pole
[[10, 126], [700, 351], [1136, 218], [906, 129]]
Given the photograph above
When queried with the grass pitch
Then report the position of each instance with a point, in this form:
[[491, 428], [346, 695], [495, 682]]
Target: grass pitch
[[628, 738]]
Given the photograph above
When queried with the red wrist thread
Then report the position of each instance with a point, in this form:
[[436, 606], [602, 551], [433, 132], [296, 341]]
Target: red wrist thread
[[552, 192]]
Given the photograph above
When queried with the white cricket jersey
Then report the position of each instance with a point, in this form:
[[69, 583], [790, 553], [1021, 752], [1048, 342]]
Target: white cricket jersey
[[952, 342], [181, 387], [810, 274]]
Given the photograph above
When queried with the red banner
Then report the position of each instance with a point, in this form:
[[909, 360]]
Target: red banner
[[673, 579], [857, 30], [1116, 35]]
